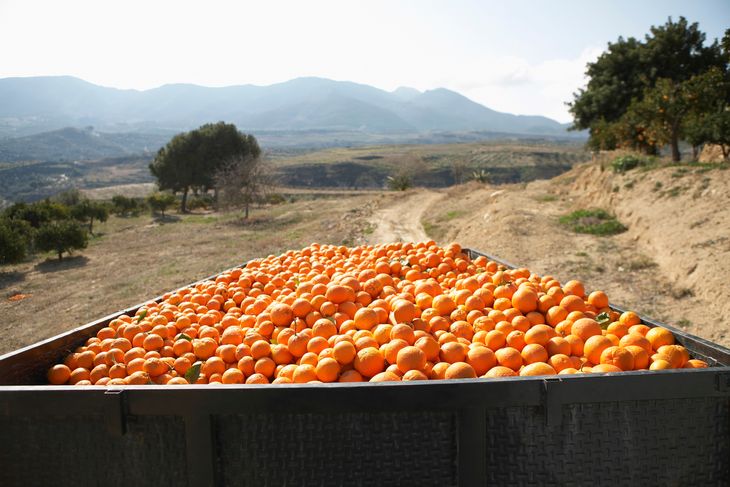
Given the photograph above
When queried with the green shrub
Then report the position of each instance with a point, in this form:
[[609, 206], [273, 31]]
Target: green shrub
[[61, 236], [123, 206], [204, 201], [626, 163], [399, 182], [15, 240], [593, 221], [160, 201]]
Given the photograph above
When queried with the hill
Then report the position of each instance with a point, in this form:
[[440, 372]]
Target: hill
[[40, 104]]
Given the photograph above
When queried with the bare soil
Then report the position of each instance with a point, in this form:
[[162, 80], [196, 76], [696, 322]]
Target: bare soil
[[398, 217]]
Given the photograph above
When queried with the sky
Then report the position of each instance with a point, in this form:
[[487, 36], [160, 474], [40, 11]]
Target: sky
[[523, 57]]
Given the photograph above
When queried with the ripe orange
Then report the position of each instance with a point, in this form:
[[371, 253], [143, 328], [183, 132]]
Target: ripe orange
[[460, 370]]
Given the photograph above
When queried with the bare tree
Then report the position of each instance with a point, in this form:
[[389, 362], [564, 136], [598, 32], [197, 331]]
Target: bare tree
[[243, 181]]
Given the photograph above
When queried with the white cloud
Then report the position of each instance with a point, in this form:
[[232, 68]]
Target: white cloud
[[514, 85]]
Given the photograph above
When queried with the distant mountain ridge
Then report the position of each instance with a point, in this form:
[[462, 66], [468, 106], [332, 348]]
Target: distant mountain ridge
[[41, 104]]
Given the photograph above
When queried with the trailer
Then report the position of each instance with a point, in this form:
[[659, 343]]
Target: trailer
[[632, 428]]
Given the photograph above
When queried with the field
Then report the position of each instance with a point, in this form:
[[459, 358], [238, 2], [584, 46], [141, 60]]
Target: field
[[433, 165], [671, 263]]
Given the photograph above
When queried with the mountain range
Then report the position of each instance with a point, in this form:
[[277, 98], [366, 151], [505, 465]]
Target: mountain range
[[40, 104]]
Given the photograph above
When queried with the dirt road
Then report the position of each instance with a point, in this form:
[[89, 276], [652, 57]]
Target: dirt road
[[399, 219]]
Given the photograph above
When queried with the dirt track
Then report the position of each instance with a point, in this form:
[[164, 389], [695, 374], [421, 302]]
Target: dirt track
[[400, 218]]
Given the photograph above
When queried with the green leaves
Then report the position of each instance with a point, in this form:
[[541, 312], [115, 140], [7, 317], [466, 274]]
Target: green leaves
[[142, 315], [183, 336], [193, 372], [603, 320]]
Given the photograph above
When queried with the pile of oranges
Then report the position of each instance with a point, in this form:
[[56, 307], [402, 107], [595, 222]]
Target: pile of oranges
[[393, 312]]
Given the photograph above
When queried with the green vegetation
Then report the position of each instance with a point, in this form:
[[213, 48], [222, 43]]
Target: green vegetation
[[160, 201], [86, 211], [622, 164], [399, 182], [123, 206], [15, 240], [668, 88], [191, 160], [593, 221], [61, 236]]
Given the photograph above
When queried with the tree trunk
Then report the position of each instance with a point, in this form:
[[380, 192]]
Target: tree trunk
[[60, 255], [246, 211], [676, 156], [215, 198], [184, 201], [695, 152], [725, 151], [91, 226]]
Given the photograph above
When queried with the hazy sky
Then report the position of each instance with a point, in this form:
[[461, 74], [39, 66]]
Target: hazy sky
[[523, 57]]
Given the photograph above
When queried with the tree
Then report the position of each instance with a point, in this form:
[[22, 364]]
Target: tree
[[15, 239], [36, 214], [61, 236], [123, 206], [86, 211], [243, 180], [192, 159], [160, 201], [637, 91]]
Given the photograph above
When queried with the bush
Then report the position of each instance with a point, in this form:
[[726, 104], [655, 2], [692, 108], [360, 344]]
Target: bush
[[626, 163], [204, 201], [160, 201], [36, 214], [399, 182], [15, 240], [86, 211], [123, 206], [595, 222], [61, 236]]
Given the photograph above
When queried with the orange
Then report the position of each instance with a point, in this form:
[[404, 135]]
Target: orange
[[327, 370], [344, 352], [594, 347], [59, 374], [460, 370], [500, 371], [641, 357], [618, 356], [659, 336], [453, 352], [410, 358], [585, 328], [537, 368], [481, 359], [369, 362], [509, 357], [603, 368], [533, 353]]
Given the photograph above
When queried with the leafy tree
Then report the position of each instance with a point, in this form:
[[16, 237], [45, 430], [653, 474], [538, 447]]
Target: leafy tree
[[192, 159], [15, 240], [36, 214], [638, 92], [160, 201], [61, 236], [243, 181], [70, 197], [123, 206], [86, 211], [400, 182]]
